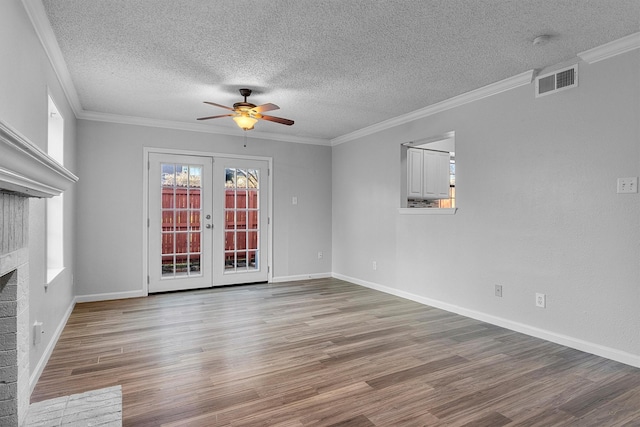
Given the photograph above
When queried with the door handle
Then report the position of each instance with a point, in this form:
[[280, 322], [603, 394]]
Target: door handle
[[208, 226]]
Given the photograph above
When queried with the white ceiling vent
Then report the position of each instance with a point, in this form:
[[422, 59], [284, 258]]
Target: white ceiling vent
[[557, 81]]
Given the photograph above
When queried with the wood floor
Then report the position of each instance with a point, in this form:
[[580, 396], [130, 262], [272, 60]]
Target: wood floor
[[327, 353]]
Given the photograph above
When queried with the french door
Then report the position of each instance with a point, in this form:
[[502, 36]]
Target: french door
[[240, 189], [180, 220], [207, 221]]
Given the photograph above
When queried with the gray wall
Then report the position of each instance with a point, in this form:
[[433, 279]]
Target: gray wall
[[538, 212], [110, 233], [25, 77], [536, 190]]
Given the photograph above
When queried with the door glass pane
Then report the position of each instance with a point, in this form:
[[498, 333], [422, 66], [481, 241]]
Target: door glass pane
[[241, 219], [252, 223], [181, 220], [241, 199], [182, 246], [241, 214], [181, 201], [252, 202], [194, 263], [252, 178], [194, 220], [241, 260], [252, 240], [229, 261], [230, 201], [194, 198], [167, 265], [253, 260], [229, 220], [167, 245], [241, 240], [229, 241], [167, 199], [230, 178], [167, 220], [241, 178]]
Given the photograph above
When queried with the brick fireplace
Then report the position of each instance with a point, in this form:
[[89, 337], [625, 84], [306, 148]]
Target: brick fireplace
[[14, 310], [25, 171]]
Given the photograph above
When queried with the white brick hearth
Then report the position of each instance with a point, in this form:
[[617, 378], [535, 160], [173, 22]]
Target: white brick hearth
[[94, 408]]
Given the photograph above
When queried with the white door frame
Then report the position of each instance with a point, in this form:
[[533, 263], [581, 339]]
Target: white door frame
[[145, 204]]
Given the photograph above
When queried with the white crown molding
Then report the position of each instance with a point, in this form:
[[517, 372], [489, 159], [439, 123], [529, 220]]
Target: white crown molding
[[613, 48], [37, 14], [196, 127], [484, 92], [40, 22], [596, 54]]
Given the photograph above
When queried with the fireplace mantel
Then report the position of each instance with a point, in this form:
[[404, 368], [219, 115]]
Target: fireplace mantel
[[27, 170]]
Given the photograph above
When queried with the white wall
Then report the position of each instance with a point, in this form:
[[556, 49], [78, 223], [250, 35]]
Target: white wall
[[538, 212], [110, 218], [26, 76]]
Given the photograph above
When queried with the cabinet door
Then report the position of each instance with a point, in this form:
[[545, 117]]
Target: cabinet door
[[435, 183], [415, 171]]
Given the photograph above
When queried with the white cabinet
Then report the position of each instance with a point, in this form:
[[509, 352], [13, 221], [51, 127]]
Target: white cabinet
[[428, 174], [415, 170]]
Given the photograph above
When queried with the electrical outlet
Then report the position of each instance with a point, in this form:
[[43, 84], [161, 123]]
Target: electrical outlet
[[294, 200], [498, 291], [37, 333], [320, 255], [374, 265], [628, 185], [541, 300]]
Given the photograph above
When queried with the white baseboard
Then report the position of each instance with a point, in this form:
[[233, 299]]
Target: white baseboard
[[110, 296], [281, 279], [578, 344], [35, 375]]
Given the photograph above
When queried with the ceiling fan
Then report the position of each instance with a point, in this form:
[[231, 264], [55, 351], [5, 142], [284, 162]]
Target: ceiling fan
[[246, 114]]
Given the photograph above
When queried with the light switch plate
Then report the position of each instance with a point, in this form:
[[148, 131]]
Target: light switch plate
[[628, 185]]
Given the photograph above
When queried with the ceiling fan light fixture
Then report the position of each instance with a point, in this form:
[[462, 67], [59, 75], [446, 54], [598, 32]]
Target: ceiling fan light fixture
[[246, 114], [245, 122]]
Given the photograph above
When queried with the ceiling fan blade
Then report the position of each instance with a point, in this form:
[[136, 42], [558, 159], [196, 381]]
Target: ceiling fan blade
[[276, 120], [265, 107], [215, 117], [218, 105]]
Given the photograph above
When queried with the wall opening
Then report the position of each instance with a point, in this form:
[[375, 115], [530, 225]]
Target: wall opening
[[428, 171]]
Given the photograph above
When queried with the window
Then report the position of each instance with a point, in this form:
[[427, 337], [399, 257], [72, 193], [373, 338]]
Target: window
[[55, 205], [429, 173]]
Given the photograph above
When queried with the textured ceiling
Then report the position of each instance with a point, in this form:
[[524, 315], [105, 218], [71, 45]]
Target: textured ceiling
[[334, 67]]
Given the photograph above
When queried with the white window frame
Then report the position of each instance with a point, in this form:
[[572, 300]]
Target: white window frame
[[54, 211]]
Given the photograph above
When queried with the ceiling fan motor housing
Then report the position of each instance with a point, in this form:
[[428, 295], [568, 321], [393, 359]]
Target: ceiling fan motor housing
[[243, 106]]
